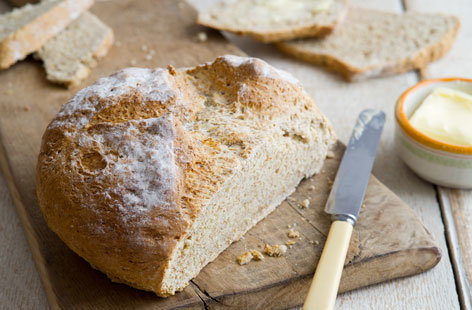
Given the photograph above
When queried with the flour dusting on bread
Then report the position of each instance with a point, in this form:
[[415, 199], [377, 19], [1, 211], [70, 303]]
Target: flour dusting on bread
[[262, 69], [150, 84], [126, 152], [160, 170]]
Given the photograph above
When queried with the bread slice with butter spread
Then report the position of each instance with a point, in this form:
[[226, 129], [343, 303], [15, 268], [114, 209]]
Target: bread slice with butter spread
[[373, 43], [275, 20]]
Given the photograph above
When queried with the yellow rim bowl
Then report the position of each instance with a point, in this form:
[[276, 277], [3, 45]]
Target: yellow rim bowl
[[404, 122], [436, 161]]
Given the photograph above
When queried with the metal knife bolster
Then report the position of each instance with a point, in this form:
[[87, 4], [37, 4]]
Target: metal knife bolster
[[345, 218], [347, 194]]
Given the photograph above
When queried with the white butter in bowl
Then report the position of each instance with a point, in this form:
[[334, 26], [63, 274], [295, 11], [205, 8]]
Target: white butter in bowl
[[445, 115], [434, 131]]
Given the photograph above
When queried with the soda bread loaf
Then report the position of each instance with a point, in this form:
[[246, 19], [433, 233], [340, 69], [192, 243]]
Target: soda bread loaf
[[275, 20], [149, 174], [24, 30], [69, 56], [374, 43]]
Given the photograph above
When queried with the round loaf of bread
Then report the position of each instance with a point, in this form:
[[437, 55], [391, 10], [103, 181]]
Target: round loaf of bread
[[149, 174]]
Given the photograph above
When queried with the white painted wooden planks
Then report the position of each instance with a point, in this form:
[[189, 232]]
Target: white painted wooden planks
[[457, 64], [341, 102]]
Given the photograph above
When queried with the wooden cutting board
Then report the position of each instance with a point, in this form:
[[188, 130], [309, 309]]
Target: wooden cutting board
[[389, 240]]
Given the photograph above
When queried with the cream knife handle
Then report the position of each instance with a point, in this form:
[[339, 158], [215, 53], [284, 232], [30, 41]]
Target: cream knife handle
[[324, 288]]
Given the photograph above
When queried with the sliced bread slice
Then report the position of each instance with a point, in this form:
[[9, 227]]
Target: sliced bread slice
[[69, 56], [25, 30], [374, 43], [275, 20]]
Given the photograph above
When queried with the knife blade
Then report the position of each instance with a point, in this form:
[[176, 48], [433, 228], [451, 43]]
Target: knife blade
[[350, 184], [344, 204]]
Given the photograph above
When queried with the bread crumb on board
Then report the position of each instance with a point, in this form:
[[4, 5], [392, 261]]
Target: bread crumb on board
[[202, 36], [305, 203], [171, 70], [276, 250], [330, 154], [244, 258], [290, 242], [248, 256], [293, 234], [257, 255]]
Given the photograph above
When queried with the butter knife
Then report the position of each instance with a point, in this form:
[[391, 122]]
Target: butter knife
[[344, 204]]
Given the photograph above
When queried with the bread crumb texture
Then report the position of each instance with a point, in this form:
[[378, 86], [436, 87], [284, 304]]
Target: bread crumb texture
[[305, 203], [248, 256], [69, 57], [149, 174], [258, 256], [276, 250], [202, 36], [24, 30], [275, 20], [290, 242], [245, 258], [293, 234], [373, 43]]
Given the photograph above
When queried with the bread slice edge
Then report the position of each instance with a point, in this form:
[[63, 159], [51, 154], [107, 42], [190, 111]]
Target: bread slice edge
[[306, 31], [350, 73]]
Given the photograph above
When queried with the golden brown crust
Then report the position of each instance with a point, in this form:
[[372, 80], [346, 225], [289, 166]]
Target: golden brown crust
[[128, 163], [318, 31], [426, 55]]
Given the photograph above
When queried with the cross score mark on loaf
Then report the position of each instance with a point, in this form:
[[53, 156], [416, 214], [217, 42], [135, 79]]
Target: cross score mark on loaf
[[166, 168]]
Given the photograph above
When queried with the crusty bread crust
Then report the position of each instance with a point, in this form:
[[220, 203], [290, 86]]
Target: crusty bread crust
[[308, 30], [28, 39], [130, 163], [421, 58]]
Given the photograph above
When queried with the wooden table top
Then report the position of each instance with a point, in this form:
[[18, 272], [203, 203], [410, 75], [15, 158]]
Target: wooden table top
[[446, 212]]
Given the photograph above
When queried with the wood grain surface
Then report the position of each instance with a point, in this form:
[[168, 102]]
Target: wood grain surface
[[20, 285], [342, 102], [393, 243], [456, 203], [432, 290]]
